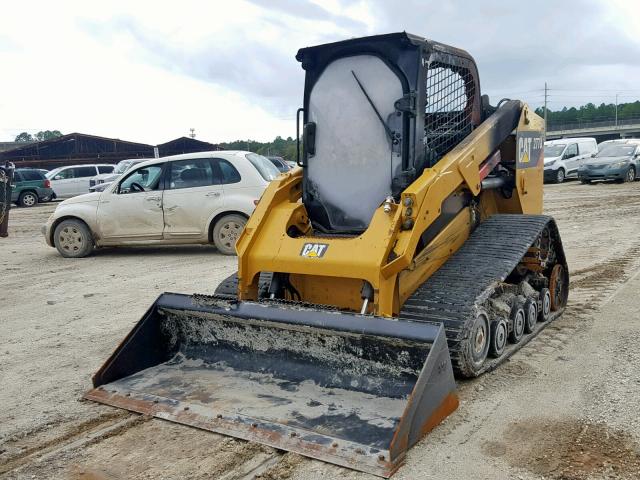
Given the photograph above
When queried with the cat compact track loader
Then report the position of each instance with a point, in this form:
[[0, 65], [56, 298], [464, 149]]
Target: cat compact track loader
[[408, 247]]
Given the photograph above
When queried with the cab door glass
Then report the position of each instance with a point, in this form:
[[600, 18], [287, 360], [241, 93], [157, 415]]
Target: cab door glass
[[145, 179], [191, 174], [572, 151], [228, 173], [82, 172], [32, 176], [65, 174]]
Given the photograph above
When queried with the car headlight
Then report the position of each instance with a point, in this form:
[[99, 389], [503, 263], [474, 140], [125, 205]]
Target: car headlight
[[549, 163], [617, 164]]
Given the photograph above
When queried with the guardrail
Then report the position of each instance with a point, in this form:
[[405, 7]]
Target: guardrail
[[584, 125]]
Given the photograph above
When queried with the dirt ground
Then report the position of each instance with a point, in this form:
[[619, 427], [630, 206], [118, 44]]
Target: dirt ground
[[564, 407]]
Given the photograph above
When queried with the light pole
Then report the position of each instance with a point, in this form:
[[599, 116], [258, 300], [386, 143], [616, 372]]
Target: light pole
[[616, 110], [545, 111]]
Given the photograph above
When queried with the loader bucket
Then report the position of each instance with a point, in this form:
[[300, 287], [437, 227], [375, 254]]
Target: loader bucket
[[352, 390]]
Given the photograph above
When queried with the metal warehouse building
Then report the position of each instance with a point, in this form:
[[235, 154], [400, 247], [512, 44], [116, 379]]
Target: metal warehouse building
[[79, 148]]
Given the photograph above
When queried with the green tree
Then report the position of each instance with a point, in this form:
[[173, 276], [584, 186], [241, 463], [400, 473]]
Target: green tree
[[279, 147], [47, 135], [24, 137], [591, 113]]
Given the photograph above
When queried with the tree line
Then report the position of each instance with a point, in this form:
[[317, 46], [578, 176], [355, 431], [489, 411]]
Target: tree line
[[280, 147], [591, 113], [26, 137]]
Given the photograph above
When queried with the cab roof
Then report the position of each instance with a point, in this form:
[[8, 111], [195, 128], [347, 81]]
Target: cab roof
[[398, 38]]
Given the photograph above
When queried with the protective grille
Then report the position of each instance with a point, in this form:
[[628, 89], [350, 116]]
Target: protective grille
[[448, 108]]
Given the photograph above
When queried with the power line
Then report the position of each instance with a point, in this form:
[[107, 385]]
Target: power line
[[595, 90], [514, 93], [593, 96]]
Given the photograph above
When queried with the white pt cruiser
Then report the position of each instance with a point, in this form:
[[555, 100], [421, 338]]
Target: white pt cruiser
[[197, 198]]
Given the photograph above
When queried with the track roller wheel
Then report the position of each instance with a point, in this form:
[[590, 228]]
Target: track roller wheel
[[544, 309], [476, 346], [558, 287], [519, 320], [531, 315], [499, 334]]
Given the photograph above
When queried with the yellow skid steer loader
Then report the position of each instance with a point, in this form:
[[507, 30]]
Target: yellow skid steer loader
[[408, 247]]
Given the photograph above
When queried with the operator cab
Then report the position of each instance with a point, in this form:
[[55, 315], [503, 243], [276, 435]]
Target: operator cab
[[377, 112]]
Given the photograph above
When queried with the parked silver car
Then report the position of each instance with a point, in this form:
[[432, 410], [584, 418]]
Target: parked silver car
[[617, 160], [100, 182]]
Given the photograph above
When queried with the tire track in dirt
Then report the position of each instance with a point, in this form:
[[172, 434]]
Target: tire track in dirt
[[592, 286], [82, 435]]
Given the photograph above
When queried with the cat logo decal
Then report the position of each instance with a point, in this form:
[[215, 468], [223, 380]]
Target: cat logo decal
[[313, 250]]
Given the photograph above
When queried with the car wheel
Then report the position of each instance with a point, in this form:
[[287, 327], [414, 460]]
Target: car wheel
[[560, 175], [73, 239], [27, 199], [226, 232], [631, 174], [585, 181]]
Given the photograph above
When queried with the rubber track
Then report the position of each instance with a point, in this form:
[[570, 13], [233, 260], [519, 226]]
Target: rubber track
[[229, 286], [454, 293]]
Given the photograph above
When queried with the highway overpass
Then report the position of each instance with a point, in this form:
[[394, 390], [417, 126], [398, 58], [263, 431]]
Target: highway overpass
[[606, 130]]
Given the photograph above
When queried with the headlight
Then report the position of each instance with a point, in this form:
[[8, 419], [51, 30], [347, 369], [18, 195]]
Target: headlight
[[617, 164], [548, 164]]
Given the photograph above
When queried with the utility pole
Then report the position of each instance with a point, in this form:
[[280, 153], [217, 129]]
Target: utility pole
[[193, 133], [545, 110], [616, 110]]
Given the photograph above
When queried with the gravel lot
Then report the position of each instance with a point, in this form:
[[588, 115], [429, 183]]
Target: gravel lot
[[565, 407]]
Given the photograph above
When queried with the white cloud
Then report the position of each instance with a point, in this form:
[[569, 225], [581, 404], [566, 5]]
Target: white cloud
[[148, 71], [65, 76]]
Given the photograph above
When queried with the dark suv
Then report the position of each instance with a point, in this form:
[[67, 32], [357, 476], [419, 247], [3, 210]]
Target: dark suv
[[30, 187]]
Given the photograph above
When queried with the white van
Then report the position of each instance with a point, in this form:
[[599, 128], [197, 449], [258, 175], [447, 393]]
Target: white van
[[73, 180], [563, 157]]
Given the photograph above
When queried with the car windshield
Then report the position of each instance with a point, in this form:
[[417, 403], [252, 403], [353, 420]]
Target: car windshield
[[553, 150], [53, 173], [123, 166], [617, 151], [267, 169], [144, 179], [279, 163]]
